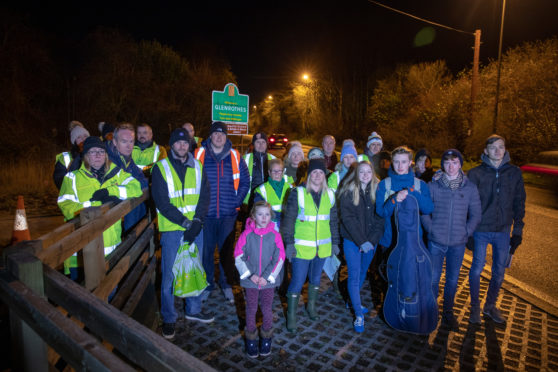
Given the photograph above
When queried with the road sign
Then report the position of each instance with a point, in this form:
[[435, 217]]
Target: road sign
[[232, 108]]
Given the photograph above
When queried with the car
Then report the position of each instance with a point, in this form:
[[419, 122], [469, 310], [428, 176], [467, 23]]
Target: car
[[278, 140], [546, 162]]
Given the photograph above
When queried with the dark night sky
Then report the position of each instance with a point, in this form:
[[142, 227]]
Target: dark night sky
[[270, 43]]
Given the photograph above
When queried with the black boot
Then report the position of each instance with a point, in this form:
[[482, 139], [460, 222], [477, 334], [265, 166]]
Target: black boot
[[251, 343]]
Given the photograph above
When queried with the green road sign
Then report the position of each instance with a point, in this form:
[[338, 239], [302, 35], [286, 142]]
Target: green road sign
[[229, 106]]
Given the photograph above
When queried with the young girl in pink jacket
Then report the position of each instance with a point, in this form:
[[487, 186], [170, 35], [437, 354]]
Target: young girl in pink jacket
[[259, 256]]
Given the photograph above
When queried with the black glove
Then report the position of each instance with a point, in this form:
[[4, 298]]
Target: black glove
[[515, 241], [100, 195], [334, 250], [115, 199], [290, 252], [187, 223], [470, 243], [192, 232]]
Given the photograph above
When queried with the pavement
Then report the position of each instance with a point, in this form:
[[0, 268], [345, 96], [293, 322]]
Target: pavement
[[528, 341]]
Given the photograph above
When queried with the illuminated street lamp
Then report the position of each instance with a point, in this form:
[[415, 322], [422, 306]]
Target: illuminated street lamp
[[270, 97], [305, 77]]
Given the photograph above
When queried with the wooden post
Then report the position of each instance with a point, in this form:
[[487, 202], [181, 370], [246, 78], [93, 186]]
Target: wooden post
[[93, 253], [28, 349], [474, 81]]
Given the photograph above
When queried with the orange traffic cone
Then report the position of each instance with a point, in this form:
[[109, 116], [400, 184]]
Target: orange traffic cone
[[21, 229]]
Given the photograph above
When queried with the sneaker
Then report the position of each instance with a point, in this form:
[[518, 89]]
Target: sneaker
[[449, 320], [168, 331], [203, 317], [475, 317], [359, 324], [228, 293], [493, 313], [364, 309]]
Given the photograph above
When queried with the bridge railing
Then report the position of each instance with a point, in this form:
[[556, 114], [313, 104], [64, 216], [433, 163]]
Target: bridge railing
[[54, 320]]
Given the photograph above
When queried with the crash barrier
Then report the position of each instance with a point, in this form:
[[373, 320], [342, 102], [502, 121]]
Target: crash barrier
[[56, 322]]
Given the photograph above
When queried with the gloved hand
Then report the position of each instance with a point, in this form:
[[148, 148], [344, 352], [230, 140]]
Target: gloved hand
[[113, 199], [290, 252], [193, 231], [334, 250], [366, 247], [470, 243], [100, 195], [187, 223], [515, 241]]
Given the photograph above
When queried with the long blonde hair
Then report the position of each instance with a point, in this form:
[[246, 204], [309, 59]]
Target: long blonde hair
[[353, 185]]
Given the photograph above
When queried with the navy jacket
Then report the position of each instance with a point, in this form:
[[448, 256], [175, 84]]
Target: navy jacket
[[456, 213], [131, 167], [502, 195], [218, 168]]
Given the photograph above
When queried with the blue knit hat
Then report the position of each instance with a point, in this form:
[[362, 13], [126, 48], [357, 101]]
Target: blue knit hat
[[450, 152], [349, 149]]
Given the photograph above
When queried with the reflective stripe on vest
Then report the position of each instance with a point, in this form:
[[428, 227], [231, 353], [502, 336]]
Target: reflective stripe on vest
[[155, 158], [67, 159], [235, 162], [184, 200], [275, 202]]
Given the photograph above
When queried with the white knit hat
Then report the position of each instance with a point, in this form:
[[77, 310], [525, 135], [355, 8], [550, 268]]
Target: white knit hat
[[76, 132]]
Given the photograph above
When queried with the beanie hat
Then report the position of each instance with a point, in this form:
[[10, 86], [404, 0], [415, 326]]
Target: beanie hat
[[349, 149], [105, 128], [314, 164], [218, 126], [179, 134], [259, 135], [348, 141], [91, 142], [374, 137], [422, 152], [76, 132], [295, 147], [316, 153], [450, 152]]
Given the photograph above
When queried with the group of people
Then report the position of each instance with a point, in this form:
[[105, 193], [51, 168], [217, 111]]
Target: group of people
[[299, 212]]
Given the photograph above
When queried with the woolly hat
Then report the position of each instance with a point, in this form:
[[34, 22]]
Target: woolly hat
[[295, 147], [77, 131], [105, 128], [179, 134], [314, 164], [348, 141], [422, 152], [374, 137], [91, 142], [316, 153], [259, 135], [218, 126], [349, 149], [450, 152]]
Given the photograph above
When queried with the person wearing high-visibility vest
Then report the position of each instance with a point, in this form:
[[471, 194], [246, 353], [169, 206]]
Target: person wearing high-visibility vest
[[275, 189], [229, 181], [97, 181], [257, 162], [180, 191], [311, 234], [195, 141], [68, 161], [146, 152], [119, 151], [348, 157]]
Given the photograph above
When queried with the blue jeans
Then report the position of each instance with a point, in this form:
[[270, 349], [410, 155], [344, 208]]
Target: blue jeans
[[305, 268], [500, 242], [357, 266], [454, 258], [170, 241], [220, 232], [134, 217]]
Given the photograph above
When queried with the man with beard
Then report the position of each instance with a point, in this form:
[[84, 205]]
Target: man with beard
[[146, 152]]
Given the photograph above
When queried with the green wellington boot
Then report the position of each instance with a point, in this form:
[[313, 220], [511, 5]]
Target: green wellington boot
[[311, 305], [292, 307]]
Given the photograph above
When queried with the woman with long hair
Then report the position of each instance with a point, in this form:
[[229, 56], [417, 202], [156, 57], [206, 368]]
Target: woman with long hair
[[361, 229]]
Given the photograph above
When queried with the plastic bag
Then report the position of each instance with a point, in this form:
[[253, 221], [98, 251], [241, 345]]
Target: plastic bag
[[189, 275]]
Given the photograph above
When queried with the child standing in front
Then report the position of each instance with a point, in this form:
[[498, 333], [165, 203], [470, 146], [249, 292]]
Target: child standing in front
[[259, 257]]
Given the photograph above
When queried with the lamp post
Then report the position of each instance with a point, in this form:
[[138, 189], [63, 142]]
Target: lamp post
[[495, 121]]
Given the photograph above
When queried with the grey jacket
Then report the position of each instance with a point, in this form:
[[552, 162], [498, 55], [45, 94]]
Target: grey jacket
[[456, 213]]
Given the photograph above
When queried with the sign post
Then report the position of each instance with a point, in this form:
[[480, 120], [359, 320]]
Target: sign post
[[232, 108]]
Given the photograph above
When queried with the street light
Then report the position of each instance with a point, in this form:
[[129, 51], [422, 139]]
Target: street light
[[495, 122], [270, 97], [305, 77]]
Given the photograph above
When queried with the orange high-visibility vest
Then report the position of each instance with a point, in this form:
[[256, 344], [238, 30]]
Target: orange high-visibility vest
[[235, 161]]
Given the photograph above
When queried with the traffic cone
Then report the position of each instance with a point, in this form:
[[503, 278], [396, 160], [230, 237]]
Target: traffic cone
[[21, 229]]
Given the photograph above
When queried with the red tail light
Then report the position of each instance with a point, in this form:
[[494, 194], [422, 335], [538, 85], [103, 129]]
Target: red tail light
[[272, 140], [285, 139]]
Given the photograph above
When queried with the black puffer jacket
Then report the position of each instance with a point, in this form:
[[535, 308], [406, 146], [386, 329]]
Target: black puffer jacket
[[502, 195], [360, 223]]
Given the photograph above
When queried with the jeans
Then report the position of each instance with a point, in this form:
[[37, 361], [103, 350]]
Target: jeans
[[134, 217], [170, 242], [305, 268], [500, 242], [220, 232], [357, 266], [454, 258]]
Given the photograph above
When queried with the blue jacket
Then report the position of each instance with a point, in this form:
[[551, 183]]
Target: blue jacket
[[456, 213], [218, 168], [385, 209], [131, 167]]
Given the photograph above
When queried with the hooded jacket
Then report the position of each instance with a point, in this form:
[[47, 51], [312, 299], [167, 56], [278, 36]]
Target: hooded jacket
[[261, 252], [502, 195]]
